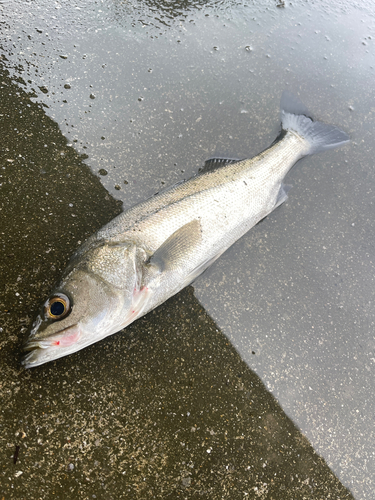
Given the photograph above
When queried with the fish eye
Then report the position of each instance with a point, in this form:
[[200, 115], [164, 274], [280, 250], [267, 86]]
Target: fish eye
[[58, 306]]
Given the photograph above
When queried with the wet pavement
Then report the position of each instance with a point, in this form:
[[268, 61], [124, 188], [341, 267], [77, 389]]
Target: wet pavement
[[258, 381]]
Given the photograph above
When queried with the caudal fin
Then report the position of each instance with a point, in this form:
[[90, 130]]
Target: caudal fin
[[295, 116]]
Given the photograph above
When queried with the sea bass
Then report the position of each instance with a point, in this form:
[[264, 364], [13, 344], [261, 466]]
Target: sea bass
[[153, 250]]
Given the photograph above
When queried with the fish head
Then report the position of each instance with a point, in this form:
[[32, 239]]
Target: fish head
[[97, 298]]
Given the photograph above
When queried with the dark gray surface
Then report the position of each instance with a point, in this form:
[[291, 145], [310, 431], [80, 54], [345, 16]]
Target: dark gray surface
[[147, 92]]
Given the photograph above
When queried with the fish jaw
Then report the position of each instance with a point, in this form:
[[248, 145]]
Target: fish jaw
[[65, 338], [53, 347]]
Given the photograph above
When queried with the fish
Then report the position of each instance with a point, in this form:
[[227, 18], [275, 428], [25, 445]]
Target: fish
[[154, 249]]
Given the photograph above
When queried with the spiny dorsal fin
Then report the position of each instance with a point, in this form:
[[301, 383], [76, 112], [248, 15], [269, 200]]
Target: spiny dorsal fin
[[217, 162]]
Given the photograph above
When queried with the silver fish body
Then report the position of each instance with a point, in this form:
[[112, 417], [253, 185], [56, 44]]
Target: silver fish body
[[153, 250]]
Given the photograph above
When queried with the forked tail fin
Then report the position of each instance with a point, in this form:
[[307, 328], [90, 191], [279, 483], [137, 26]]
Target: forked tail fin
[[295, 116]]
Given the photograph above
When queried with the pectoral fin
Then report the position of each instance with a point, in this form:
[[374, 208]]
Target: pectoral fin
[[177, 248]]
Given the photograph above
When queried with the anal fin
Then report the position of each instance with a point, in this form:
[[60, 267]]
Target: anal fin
[[282, 195]]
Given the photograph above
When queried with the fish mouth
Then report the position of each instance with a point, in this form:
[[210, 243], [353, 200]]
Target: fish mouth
[[52, 347]]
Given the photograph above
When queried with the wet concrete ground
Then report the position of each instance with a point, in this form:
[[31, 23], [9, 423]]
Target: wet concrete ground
[[166, 410], [182, 404]]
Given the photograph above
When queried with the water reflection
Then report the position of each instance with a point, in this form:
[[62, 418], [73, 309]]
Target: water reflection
[[165, 409], [165, 11]]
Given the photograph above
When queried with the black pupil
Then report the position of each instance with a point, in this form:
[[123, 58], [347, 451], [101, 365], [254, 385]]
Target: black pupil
[[57, 308]]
